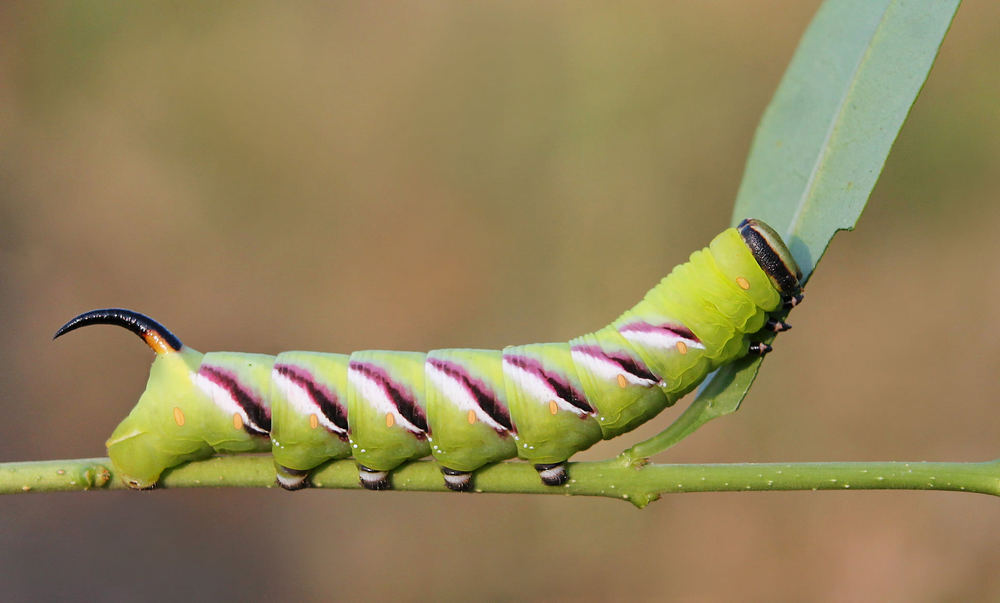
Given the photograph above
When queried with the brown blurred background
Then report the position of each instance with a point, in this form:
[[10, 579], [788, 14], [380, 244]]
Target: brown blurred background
[[340, 177]]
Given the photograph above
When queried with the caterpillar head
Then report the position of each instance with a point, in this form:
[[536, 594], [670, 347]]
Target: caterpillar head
[[156, 434], [773, 257]]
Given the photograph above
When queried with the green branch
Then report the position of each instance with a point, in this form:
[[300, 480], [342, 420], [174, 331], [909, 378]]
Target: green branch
[[614, 478]]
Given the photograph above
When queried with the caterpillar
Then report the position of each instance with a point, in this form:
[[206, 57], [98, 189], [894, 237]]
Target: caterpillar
[[465, 407]]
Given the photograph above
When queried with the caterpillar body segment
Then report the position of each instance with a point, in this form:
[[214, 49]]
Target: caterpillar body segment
[[308, 414], [467, 408]]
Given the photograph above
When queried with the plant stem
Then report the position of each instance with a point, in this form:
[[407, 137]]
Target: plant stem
[[615, 478]]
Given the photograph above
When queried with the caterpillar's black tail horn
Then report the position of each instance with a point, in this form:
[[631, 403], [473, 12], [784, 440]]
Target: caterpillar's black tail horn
[[153, 333]]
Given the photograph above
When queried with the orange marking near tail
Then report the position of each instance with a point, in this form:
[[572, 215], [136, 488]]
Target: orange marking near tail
[[159, 345], [682, 347], [178, 416], [622, 382], [237, 421], [313, 421], [553, 407], [471, 417], [743, 283], [389, 419]]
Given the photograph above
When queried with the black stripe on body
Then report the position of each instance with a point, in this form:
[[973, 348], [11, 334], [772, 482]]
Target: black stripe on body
[[402, 399], [326, 400], [676, 329], [560, 386], [627, 363], [258, 416], [484, 396]]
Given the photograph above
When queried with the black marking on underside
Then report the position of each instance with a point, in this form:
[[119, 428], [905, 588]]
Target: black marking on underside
[[557, 474], [459, 481], [373, 479], [292, 479]]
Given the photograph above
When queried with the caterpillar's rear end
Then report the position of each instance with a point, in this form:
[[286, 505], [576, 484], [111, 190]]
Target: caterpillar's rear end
[[466, 408]]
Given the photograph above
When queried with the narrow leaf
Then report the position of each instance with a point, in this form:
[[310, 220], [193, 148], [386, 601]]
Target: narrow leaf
[[824, 139], [825, 136]]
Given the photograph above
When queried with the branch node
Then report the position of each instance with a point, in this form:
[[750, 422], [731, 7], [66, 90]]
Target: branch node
[[632, 462]]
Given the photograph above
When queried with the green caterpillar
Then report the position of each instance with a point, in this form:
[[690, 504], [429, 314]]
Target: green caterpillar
[[467, 408]]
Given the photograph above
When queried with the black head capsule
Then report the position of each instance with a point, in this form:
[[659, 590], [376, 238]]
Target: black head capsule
[[773, 257], [153, 333]]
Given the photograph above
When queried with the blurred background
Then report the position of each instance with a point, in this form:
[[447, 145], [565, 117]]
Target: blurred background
[[412, 176]]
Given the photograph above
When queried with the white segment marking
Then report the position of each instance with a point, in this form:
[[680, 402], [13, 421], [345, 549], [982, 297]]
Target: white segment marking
[[455, 392], [662, 339], [374, 396], [300, 400], [538, 388], [606, 368], [223, 400]]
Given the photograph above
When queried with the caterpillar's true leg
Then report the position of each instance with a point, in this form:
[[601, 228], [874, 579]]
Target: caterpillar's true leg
[[459, 481], [778, 326], [759, 349], [552, 474], [373, 479], [793, 301], [292, 479]]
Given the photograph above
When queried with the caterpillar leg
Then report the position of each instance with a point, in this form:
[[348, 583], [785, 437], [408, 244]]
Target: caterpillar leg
[[459, 481], [292, 479], [778, 326], [552, 474], [794, 300], [373, 479], [759, 349]]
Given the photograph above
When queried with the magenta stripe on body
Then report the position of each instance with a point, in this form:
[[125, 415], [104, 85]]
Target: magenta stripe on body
[[404, 400], [630, 365], [677, 330], [484, 396], [562, 388], [321, 396], [258, 415]]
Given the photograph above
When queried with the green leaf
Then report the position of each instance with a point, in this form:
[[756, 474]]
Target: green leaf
[[825, 136], [714, 400], [821, 146]]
